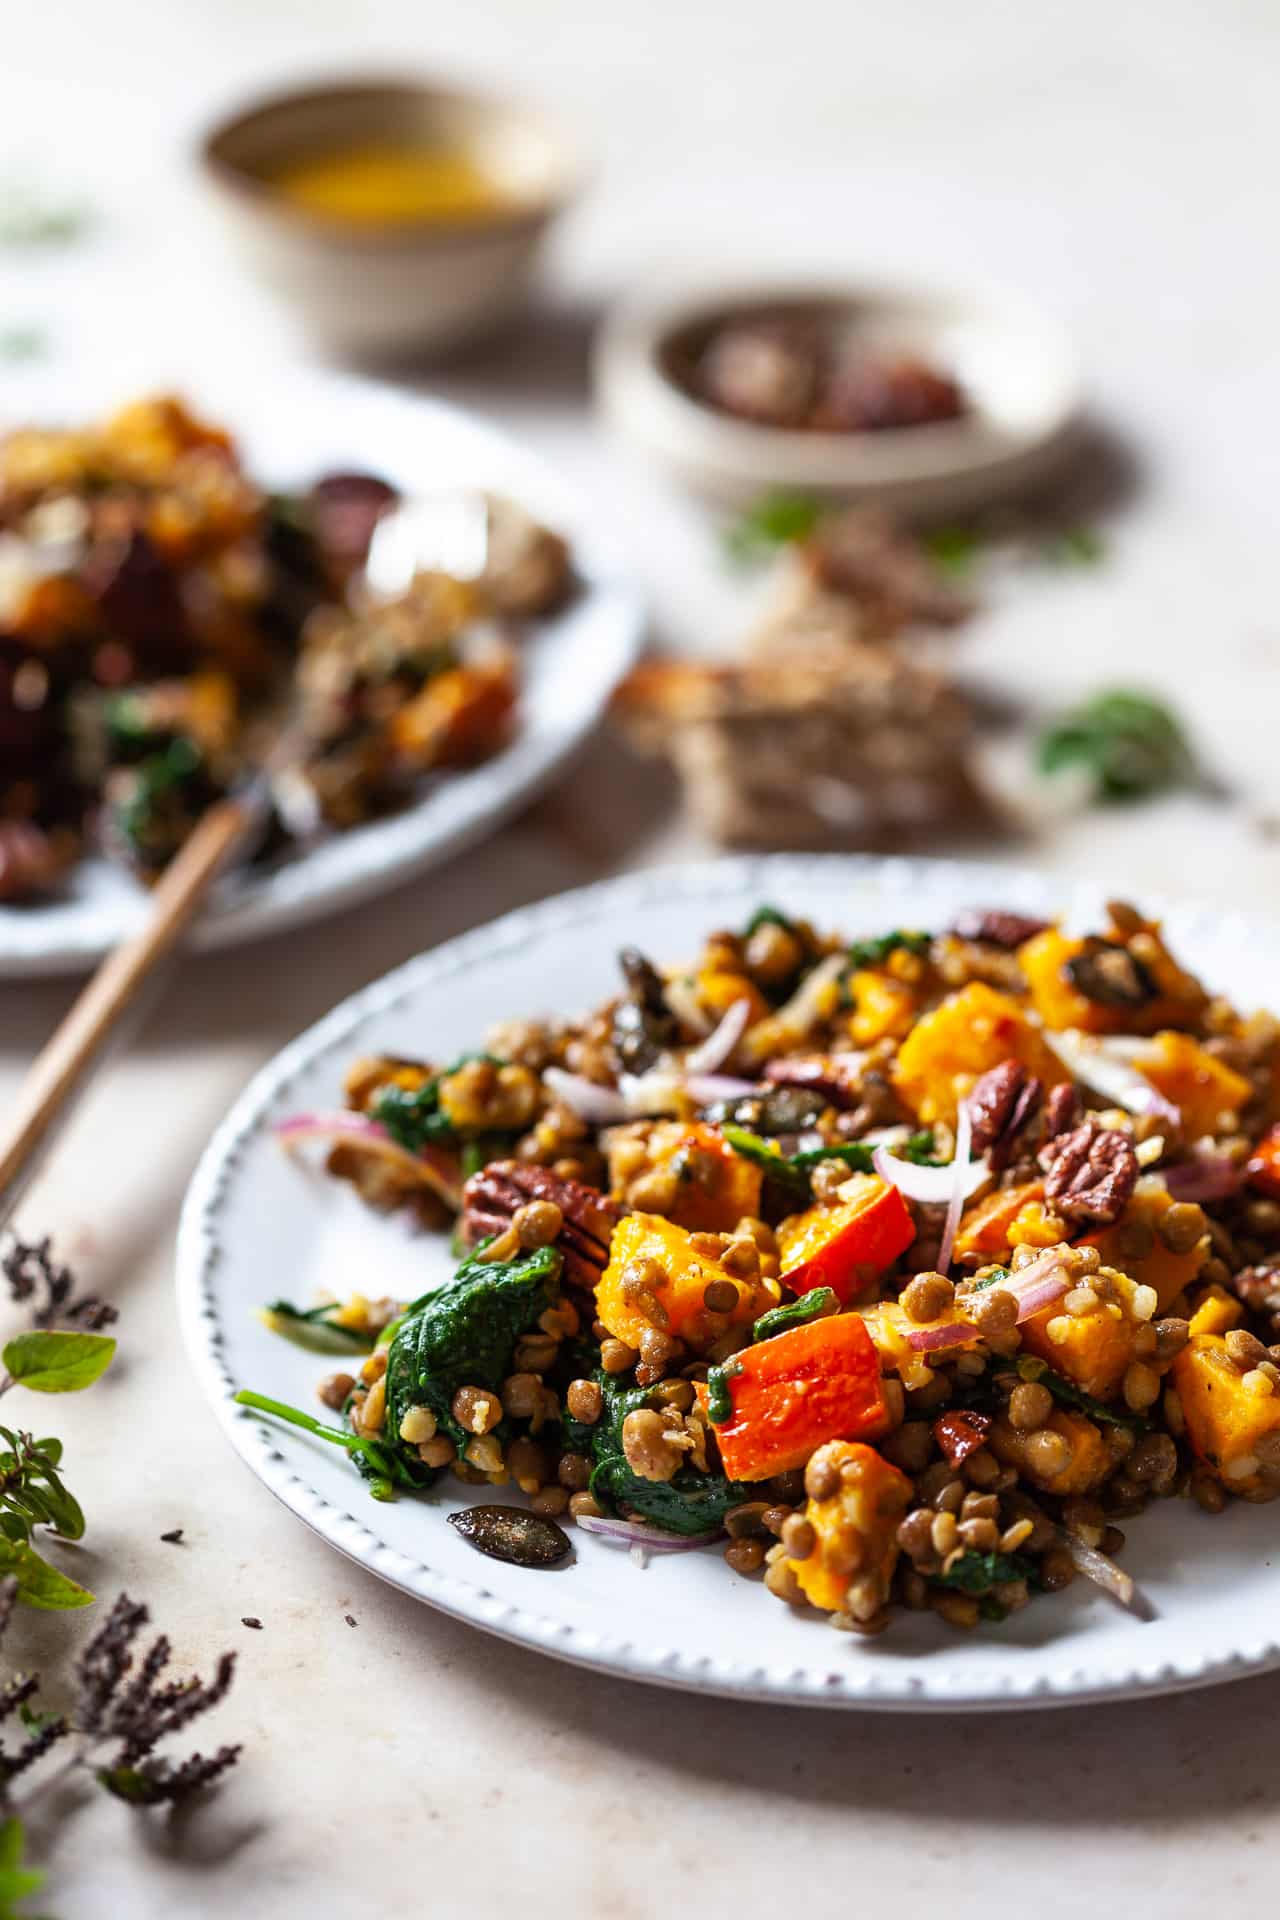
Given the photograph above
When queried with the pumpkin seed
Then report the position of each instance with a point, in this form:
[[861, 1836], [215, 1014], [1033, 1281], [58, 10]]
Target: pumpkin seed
[[1109, 975], [509, 1533]]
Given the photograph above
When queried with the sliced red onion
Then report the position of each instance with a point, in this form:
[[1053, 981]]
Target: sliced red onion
[[638, 1533], [1111, 1070], [1038, 1284], [431, 1166], [1211, 1177], [1103, 1571], [931, 1339], [1041, 1294], [708, 1087], [716, 1048], [959, 1175], [601, 1106], [931, 1186]]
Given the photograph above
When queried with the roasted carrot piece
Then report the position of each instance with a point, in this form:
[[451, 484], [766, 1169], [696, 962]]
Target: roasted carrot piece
[[1263, 1169], [847, 1246], [773, 1404]]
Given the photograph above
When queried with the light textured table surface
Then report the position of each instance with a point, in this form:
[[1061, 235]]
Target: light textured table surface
[[1117, 162]]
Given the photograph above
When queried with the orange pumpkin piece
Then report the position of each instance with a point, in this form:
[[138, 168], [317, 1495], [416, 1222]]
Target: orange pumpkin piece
[[718, 990], [846, 1247], [671, 1294], [984, 1229], [459, 716], [714, 1186], [790, 1395], [968, 1034], [855, 1529], [884, 1008], [1216, 1312], [1094, 1349], [1226, 1419], [1088, 1465], [1044, 960], [1209, 1093], [1135, 1246]]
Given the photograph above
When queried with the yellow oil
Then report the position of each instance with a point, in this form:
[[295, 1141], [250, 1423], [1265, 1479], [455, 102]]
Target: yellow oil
[[392, 185]]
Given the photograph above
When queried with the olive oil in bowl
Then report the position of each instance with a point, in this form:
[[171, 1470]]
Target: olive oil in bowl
[[383, 184]]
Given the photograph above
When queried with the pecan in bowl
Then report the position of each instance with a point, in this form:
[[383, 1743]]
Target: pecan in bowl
[[494, 1195]]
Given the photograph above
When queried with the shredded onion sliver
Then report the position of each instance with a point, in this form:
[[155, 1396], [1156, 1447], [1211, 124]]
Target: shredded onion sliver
[[1103, 1571], [635, 1533], [960, 1170], [432, 1168], [717, 1047], [1112, 1073], [601, 1106], [953, 1333], [931, 1186]]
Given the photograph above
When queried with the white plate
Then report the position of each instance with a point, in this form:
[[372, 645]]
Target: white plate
[[1015, 364], [294, 425], [257, 1224]]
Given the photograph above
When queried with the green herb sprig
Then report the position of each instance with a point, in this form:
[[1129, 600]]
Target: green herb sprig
[[777, 520], [1130, 745]]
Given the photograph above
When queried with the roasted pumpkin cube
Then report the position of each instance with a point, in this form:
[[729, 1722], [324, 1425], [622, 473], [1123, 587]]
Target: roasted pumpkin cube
[[1207, 1091], [1094, 1349], [985, 1227], [655, 1279], [1046, 960], [968, 1034], [1088, 1465], [1216, 1311], [711, 1187], [718, 990], [789, 1395], [855, 1528], [846, 1247], [1230, 1414], [883, 1008], [459, 716], [893, 1333], [1135, 1245]]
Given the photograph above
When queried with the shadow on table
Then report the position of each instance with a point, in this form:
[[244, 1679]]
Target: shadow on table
[[1151, 1765]]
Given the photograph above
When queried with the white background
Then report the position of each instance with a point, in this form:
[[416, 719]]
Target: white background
[[1116, 162]]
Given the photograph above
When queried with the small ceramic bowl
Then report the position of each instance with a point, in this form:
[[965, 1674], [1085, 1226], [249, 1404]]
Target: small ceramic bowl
[[383, 291], [1015, 369]]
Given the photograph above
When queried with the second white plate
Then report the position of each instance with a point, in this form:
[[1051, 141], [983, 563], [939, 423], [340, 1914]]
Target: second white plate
[[292, 427]]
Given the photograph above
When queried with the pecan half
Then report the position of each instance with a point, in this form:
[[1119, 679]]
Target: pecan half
[[1259, 1289], [1089, 1173], [493, 1195], [1061, 1110], [996, 927], [1000, 1105]]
